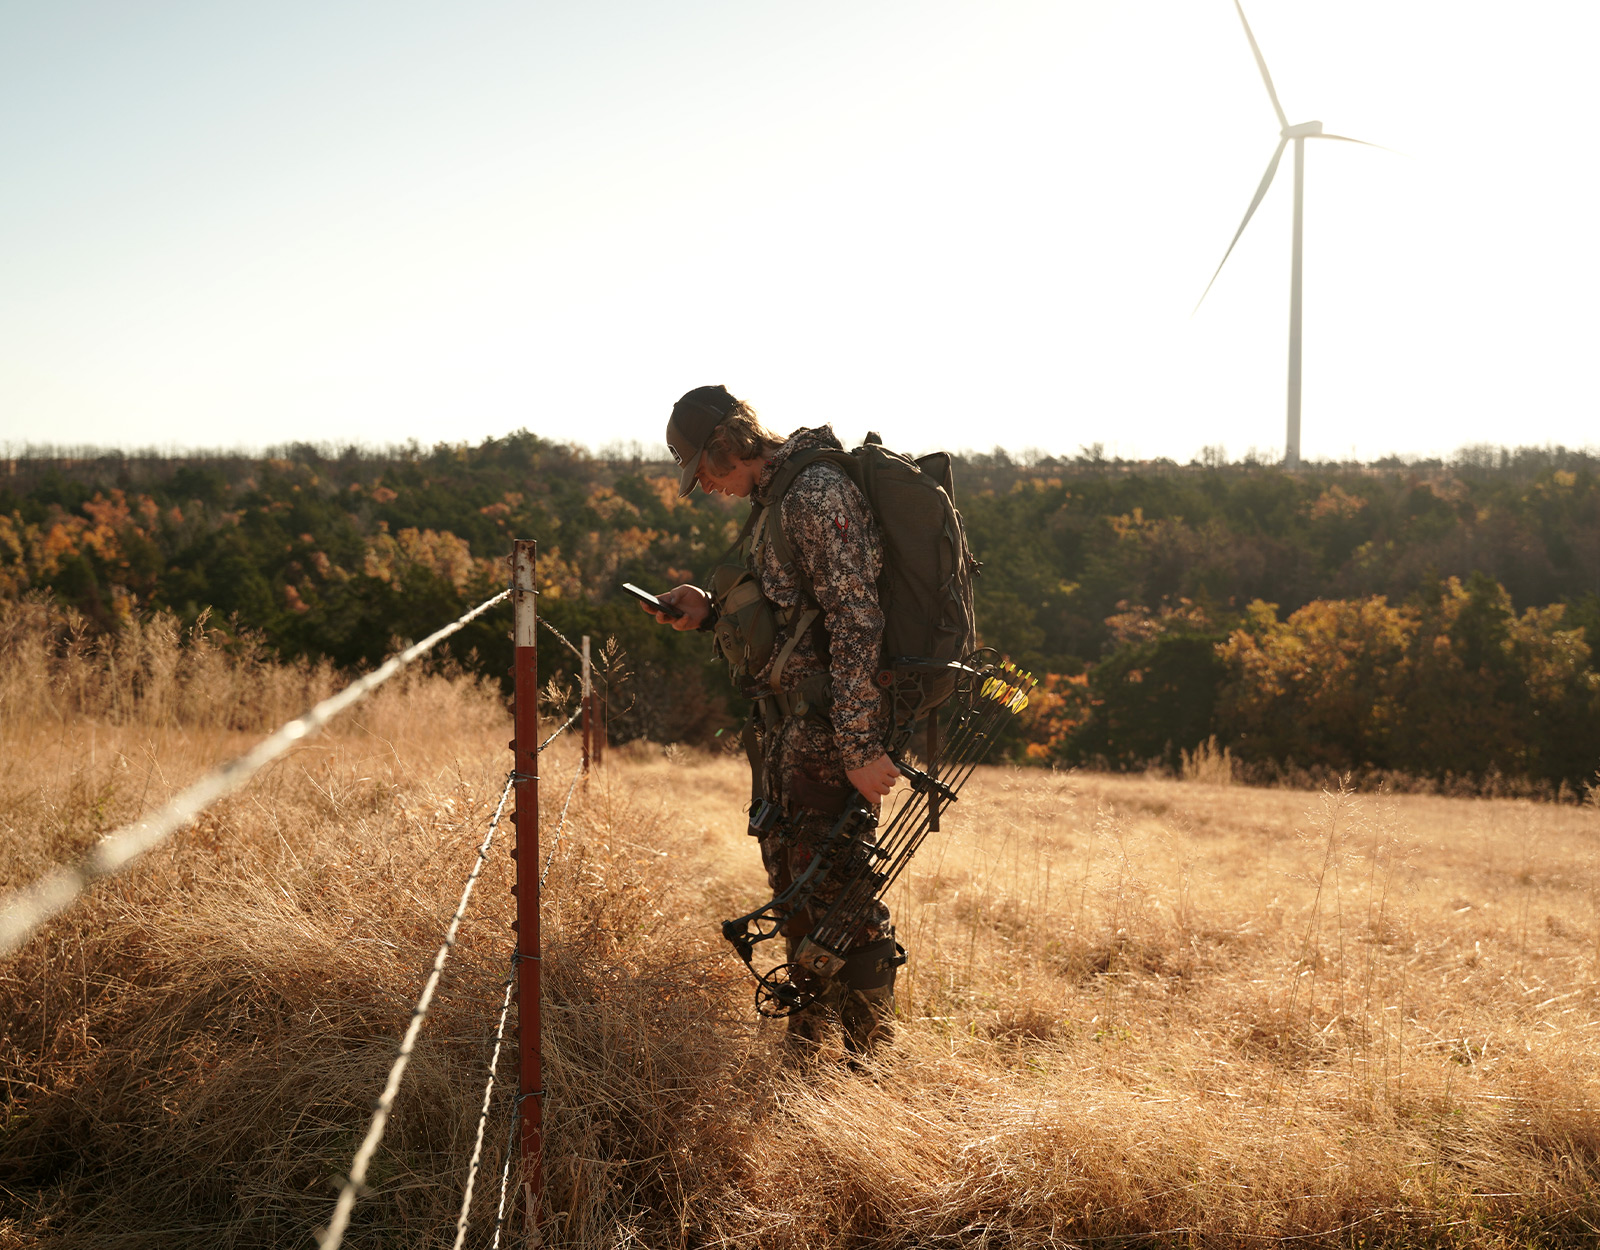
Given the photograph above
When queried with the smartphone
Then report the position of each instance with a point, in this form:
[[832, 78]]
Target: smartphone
[[650, 601]]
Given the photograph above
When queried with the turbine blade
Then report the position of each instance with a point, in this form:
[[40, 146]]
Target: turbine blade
[[1348, 139], [1261, 61], [1266, 181]]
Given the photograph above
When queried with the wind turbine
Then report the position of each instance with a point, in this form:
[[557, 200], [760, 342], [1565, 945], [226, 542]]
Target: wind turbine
[[1299, 133]]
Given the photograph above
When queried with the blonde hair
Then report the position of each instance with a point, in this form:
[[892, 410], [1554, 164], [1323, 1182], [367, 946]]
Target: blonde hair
[[740, 436]]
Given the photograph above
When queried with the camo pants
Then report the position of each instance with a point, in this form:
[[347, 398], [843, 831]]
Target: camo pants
[[803, 773], [865, 1015]]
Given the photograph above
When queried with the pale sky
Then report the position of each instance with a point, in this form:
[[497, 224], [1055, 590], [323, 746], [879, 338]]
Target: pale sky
[[966, 225]]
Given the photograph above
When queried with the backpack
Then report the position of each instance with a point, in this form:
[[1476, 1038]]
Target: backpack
[[925, 588]]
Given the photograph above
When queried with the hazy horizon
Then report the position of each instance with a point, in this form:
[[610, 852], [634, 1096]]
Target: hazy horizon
[[1025, 457]]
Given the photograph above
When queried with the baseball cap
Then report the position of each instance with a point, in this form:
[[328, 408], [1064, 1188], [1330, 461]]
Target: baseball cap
[[693, 418]]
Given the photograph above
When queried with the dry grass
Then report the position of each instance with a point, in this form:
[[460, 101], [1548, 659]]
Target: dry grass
[[1138, 1011]]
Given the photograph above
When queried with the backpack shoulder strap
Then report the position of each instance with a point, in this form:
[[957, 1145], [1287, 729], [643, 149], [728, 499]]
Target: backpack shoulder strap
[[773, 496], [745, 530]]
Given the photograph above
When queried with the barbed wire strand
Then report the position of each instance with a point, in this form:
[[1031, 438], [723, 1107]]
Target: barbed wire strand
[[577, 774], [24, 910], [356, 1182], [483, 1115], [505, 1171], [597, 677], [561, 636], [563, 728]]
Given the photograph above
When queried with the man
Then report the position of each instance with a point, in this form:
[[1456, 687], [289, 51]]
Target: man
[[802, 632]]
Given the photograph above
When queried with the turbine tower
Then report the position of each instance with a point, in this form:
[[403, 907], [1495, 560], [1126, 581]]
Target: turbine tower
[[1299, 133]]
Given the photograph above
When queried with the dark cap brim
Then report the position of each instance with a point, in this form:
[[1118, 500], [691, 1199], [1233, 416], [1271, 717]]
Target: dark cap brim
[[686, 479], [694, 418]]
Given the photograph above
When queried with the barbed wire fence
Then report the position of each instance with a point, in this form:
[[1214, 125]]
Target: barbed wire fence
[[594, 698], [26, 910], [357, 1179], [483, 1113]]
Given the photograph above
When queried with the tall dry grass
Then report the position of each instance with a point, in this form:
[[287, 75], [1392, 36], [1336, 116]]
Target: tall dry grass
[[1138, 1011]]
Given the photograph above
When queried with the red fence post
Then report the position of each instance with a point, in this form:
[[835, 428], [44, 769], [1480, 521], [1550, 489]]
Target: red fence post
[[586, 706], [530, 1085]]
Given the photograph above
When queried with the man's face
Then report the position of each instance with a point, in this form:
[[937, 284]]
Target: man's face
[[738, 481]]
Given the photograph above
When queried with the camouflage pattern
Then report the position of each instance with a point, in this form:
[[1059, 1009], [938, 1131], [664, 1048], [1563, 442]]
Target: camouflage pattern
[[786, 856], [839, 553]]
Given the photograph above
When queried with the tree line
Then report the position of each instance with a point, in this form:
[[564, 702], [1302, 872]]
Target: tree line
[[1438, 619]]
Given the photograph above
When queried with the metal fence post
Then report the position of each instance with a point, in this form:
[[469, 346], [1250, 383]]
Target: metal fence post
[[587, 707], [530, 1085]]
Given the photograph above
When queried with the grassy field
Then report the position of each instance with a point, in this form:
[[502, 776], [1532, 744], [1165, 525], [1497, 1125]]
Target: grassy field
[[1138, 1011]]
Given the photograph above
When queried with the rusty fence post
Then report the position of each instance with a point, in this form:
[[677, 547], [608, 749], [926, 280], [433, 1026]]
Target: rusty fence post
[[587, 706], [530, 1084]]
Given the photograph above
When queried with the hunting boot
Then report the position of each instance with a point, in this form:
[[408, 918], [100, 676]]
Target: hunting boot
[[867, 1017], [808, 1027], [866, 1011]]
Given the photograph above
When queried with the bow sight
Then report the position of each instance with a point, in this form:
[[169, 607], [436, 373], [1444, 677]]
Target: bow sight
[[864, 856]]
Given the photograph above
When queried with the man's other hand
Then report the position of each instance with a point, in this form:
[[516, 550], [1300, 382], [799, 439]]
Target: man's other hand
[[690, 600], [875, 778]]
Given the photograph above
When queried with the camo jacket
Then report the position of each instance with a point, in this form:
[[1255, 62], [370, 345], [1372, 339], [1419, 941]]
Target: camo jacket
[[839, 553]]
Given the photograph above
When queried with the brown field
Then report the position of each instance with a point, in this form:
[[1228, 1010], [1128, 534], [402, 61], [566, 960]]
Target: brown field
[[1138, 1011]]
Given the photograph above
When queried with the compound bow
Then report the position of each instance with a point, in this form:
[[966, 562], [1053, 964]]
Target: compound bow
[[983, 692]]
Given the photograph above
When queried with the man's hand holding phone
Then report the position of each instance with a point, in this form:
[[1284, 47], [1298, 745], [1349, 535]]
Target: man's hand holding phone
[[682, 607]]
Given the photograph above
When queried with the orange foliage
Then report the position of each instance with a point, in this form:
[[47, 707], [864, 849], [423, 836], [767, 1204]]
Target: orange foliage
[[442, 554], [1460, 683], [32, 553], [1056, 708], [609, 504], [556, 577], [1336, 502], [666, 490]]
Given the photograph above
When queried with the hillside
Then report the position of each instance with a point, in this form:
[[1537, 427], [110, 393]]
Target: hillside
[[1159, 602]]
